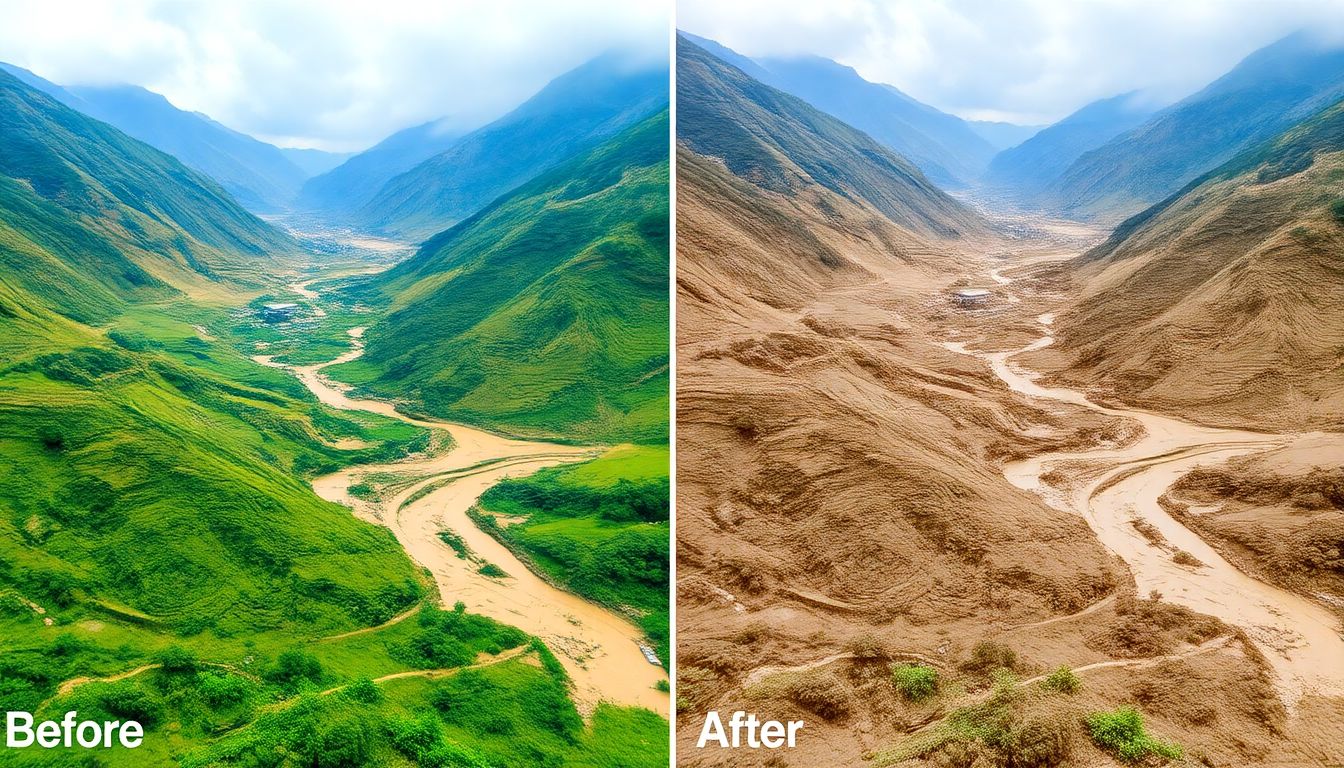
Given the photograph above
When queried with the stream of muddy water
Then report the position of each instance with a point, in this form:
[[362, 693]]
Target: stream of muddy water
[[1113, 487], [599, 648]]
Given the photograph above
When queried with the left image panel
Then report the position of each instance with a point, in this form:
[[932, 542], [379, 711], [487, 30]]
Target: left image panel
[[334, 384]]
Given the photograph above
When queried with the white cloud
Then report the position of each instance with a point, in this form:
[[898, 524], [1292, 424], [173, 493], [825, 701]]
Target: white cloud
[[1027, 61], [335, 74]]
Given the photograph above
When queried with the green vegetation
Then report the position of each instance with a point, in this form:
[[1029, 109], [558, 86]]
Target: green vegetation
[[94, 220], [547, 313], [600, 529], [1062, 680], [1000, 732], [1121, 733], [157, 519], [493, 571], [915, 682], [1337, 210]]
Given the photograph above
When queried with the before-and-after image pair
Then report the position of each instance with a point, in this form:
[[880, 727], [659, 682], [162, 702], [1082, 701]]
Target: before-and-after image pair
[[883, 383]]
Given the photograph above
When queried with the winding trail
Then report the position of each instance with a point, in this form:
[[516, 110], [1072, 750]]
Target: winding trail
[[598, 647], [1114, 487]]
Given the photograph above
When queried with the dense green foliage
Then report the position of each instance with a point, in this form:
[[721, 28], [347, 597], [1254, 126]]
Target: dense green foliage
[[915, 682], [599, 529], [1121, 733], [548, 312]]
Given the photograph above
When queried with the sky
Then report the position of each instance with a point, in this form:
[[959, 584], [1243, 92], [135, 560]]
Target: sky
[[1025, 61], [338, 75]]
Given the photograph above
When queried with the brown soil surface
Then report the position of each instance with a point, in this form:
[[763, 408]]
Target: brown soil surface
[[854, 491]]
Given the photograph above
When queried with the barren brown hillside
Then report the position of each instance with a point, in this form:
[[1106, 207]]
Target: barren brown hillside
[[845, 513], [1225, 303]]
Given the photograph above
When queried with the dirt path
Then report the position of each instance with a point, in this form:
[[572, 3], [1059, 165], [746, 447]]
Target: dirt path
[[599, 648], [400, 617], [1112, 488]]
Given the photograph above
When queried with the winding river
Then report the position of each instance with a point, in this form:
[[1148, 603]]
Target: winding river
[[599, 648], [1114, 487]]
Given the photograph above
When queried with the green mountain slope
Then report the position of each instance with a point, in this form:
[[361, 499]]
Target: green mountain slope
[[95, 218], [574, 113], [259, 175], [152, 479], [781, 144], [1224, 301], [545, 313], [1268, 92]]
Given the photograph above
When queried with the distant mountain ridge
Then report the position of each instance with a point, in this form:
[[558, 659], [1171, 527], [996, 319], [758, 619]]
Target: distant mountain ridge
[[1033, 164], [1267, 92], [574, 113], [946, 148], [761, 133], [346, 187], [260, 176]]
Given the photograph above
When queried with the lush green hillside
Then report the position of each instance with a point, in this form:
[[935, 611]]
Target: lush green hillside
[[1224, 301], [574, 113], [94, 218], [1268, 92], [260, 176], [600, 529], [545, 313], [766, 136], [946, 148]]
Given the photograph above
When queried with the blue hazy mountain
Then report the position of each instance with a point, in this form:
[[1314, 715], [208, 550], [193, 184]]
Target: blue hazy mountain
[[257, 174], [1035, 162], [355, 181], [1270, 90], [1001, 135], [945, 147], [314, 161], [573, 113]]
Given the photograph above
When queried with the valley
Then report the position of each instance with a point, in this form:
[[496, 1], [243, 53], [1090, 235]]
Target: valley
[[423, 496], [972, 478]]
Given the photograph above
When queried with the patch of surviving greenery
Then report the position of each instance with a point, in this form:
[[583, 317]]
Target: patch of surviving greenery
[[915, 682], [1121, 732]]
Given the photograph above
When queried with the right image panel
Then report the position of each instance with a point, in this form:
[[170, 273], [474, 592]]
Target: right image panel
[[1010, 384]]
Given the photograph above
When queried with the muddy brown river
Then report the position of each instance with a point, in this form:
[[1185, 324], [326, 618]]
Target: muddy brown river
[[1118, 485], [599, 648]]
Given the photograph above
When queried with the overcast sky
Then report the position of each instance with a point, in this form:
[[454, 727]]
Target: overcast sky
[[332, 74], [1025, 61]]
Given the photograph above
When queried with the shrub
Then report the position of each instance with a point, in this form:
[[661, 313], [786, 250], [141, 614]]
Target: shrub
[[1121, 733], [415, 737], [364, 690], [224, 690], [176, 660], [1337, 208], [662, 686], [915, 682], [293, 668], [988, 656], [1062, 680]]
